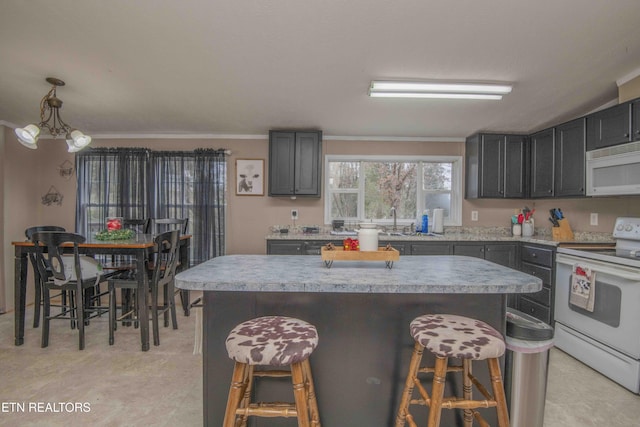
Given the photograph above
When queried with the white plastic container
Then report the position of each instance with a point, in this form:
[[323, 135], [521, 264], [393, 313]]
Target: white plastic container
[[368, 236]]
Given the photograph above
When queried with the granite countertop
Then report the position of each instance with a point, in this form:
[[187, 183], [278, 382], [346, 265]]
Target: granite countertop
[[411, 274], [472, 235]]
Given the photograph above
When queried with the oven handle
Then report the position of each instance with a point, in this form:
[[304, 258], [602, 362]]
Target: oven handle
[[622, 271]]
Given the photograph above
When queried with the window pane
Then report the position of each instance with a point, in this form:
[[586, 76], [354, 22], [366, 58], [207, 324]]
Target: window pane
[[344, 175], [438, 200], [437, 176], [344, 205], [390, 184]]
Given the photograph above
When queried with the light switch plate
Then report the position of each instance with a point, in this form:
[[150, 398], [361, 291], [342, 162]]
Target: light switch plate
[[594, 218], [474, 215]]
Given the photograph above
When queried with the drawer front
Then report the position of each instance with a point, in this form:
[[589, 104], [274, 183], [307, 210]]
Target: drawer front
[[537, 255], [534, 309], [543, 296], [544, 273], [430, 249]]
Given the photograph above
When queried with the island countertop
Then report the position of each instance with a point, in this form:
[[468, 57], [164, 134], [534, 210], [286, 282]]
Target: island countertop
[[412, 274]]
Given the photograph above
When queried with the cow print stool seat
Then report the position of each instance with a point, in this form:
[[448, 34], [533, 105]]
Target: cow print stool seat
[[448, 336], [273, 341]]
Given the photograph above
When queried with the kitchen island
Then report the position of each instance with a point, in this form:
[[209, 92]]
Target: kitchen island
[[362, 311]]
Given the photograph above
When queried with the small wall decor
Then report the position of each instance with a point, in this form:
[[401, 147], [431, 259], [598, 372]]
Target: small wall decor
[[52, 196], [249, 177], [66, 169]]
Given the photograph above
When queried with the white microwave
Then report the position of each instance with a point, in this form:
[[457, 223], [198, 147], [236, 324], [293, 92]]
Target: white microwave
[[614, 171]]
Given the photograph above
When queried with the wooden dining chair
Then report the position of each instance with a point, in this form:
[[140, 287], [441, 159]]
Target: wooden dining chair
[[162, 278], [37, 278], [76, 274]]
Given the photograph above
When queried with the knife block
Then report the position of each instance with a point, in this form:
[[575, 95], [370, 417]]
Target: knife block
[[563, 232]]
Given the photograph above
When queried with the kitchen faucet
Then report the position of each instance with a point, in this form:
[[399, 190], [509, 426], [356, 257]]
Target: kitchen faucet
[[395, 224]]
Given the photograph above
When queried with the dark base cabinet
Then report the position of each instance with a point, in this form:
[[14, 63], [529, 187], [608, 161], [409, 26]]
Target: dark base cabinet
[[501, 253], [538, 261]]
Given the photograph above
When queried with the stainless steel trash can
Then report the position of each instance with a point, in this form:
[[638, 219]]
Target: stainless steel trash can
[[526, 365]]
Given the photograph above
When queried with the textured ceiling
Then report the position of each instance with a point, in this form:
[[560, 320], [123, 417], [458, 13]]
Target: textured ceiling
[[244, 67]]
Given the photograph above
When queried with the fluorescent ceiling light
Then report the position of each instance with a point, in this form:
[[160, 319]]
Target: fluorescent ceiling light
[[434, 95], [399, 89]]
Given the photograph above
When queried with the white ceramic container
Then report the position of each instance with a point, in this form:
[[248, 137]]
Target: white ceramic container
[[368, 236]]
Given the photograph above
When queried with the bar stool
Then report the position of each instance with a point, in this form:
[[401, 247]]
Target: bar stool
[[460, 337], [273, 341]]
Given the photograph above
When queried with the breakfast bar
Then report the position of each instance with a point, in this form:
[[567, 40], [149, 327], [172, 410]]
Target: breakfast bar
[[362, 311]]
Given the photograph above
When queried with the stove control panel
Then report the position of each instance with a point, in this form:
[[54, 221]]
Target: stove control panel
[[627, 228]]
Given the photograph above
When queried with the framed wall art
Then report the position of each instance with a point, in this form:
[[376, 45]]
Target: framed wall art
[[250, 177]]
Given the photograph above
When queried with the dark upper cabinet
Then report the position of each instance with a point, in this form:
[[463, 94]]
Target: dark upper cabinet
[[609, 127], [295, 163], [495, 166], [635, 120], [569, 179], [542, 163]]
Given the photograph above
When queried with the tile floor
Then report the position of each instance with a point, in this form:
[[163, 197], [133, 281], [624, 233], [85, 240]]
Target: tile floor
[[120, 385]]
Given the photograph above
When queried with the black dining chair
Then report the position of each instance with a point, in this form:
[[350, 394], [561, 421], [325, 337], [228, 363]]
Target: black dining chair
[[163, 224], [124, 266], [160, 225], [76, 274], [162, 277], [37, 278]]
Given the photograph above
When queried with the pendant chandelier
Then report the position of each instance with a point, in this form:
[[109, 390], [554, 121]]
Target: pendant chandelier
[[50, 119]]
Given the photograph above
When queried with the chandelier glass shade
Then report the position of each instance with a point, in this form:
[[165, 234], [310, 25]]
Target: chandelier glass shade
[[50, 120]]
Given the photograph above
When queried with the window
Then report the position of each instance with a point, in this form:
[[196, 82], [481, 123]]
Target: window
[[359, 188]]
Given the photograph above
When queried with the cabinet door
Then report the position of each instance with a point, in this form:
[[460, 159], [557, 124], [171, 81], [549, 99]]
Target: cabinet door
[[308, 150], [609, 127], [570, 150], [514, 168], [492, 166], [503, 254], [542, 163], [635, 120], [281, 163], [469, 249], [435, 248], [283, 248]]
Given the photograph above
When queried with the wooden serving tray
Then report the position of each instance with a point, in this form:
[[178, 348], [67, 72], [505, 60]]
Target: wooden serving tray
[[331, 253]]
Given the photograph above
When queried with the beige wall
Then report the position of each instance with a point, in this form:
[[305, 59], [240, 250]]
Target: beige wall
[[629, 90], [28, 175]]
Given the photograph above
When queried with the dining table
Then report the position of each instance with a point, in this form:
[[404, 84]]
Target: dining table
[[141, 247]]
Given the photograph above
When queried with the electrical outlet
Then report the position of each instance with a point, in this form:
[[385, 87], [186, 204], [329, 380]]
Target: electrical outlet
[[294, 214], [594, 218], [474, 215]]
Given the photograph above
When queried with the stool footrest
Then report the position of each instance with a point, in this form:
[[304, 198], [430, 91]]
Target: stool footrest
[[272, 374], [269, 409]]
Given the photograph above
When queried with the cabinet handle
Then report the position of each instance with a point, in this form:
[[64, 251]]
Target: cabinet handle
[[638, 132], [626, 135], [550, 191], [534, 255]]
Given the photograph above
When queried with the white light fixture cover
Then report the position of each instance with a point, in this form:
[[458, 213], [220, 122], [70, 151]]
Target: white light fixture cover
[[438, 90], [28, 136], [77, 140]]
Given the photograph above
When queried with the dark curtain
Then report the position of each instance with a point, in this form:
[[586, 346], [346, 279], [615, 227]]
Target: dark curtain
[[140, 183], [193, 185], [111, 182]]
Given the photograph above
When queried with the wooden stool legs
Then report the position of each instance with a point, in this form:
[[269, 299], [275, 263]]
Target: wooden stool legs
[[240, 407], [437, 401]]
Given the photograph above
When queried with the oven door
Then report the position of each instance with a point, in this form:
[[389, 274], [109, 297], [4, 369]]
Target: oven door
[[616, 315]]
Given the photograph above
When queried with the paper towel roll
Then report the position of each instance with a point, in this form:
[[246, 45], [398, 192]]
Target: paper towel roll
[[438, 221]]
